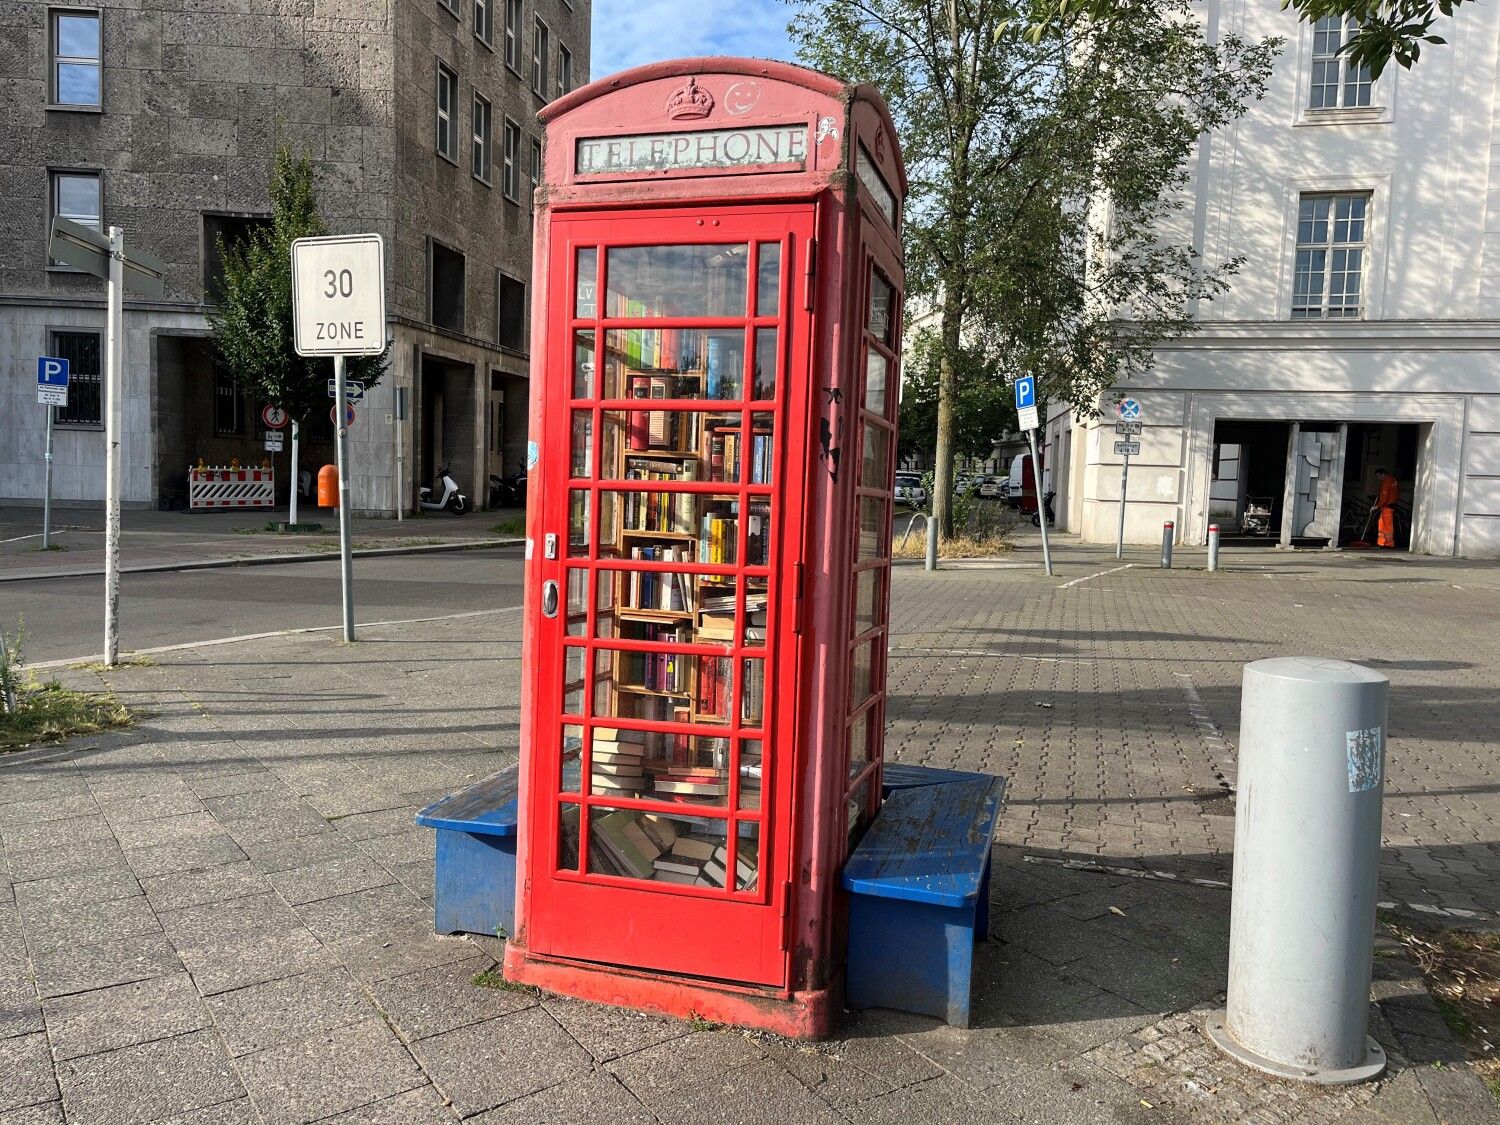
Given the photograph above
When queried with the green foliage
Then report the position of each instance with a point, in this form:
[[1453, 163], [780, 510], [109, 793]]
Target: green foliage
[[1388, 29], [252, 326], [984, 407]]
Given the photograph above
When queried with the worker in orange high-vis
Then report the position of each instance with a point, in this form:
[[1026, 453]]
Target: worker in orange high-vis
[[1385, 504]]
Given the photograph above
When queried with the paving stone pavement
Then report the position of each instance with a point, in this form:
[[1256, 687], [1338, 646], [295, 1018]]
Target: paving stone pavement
[[223, 913]]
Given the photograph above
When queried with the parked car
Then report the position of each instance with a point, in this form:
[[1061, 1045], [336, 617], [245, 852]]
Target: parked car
[[989, 487], [909, 490]]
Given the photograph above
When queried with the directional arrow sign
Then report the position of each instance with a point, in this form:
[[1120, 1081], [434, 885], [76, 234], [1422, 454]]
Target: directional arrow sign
[[86, 249], [354, 390]]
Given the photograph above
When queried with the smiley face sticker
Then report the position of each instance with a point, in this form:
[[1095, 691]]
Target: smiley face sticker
[[741, 98]]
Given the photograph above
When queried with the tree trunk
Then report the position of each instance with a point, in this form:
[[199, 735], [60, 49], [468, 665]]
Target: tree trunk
[[942, 475]]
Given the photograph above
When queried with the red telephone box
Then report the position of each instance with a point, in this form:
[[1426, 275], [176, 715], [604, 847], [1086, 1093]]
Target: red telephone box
[[715, 347]]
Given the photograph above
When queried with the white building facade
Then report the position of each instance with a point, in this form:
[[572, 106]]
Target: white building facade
[[1362, 331]]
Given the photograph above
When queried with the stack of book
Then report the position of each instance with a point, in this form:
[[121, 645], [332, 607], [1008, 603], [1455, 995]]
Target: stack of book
[[659, 511], [716, 870], [726, 451], [616, 759], [683, 862], [753, 692], [694, 785]]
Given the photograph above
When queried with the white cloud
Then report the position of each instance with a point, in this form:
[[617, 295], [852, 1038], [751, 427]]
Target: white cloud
[[631, 32]]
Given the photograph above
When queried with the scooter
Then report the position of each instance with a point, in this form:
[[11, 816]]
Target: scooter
[[1036, 517], [508, 492], [451, 500]]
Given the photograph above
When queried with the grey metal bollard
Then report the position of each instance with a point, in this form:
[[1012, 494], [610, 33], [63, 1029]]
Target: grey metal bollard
[[932, 542], [1213, 546], [1306, 853], [1168, 533]]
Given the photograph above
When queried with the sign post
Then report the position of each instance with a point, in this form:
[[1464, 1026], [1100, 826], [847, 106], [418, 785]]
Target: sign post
[[1026, 412], [1129, 411], [88, 250], [51, 392], [338, 294]]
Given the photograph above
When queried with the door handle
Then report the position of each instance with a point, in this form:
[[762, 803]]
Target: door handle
[[549, 599]]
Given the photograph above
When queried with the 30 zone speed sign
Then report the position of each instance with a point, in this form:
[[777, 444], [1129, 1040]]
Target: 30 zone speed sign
[[338, 287]]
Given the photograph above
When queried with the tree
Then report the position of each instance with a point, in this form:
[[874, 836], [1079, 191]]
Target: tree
[[1043, 172], [252, 324], [983, 410], [1388, 29]]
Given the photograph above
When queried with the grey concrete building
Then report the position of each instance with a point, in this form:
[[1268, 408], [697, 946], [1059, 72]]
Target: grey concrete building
[[161, 116]]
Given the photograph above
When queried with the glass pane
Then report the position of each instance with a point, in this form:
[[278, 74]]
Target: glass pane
[[78, 83], [677, 769], [877, 369], [78, 36], [754, 631], [874, 471], [583, 363], [764, 385], [750, 773], [578, 523], [677, 280], [665, 445], [874, 528], [768, 280], [664, 363], [868, 585], [571, 766], [753, 691], [567, 838], [578, 602], [573, 681], [746, 857], [584, 301], [78, 199], [861, 682], [857, 812], [583, 444], [859, 743], [661, 847], [878, 321]]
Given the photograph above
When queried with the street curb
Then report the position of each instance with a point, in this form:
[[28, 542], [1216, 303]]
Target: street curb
[[270, 560]]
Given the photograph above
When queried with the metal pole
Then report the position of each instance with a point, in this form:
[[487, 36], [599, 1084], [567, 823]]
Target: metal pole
[[296, 480], [1168, 533], [400, 489], [1306, 859], [932, 542], [1213, 546], [114, 362], [1041, 502], [47, 489], [346, 557], [1120, 535]]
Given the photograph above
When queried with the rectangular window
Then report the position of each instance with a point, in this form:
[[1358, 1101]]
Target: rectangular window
[[536, 165], [451, 6], [564, 70], [228, 417], [1328, 282], [484, 22], [78, 197], [510, 312], [540, 47], [445, 286], [510, 172], [481, 139], [221, 234], [513, 35], [1337, 83], [447, 112], [76, 54], [85, 403]]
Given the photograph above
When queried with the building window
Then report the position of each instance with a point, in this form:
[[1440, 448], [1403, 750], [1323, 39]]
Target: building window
[[450, 6], [445, 286], [513, 35], [76, 54], [221, 234], [481, 139], [564, 70], [484, 22], [510, 312], [1329, 276], [536, 165], [508, 175], [540, 46], [78, 197], [1337, 83], [229, 418], [85, 400], [447, 111]]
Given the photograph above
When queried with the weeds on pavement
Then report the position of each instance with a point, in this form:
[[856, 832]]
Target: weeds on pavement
[[32, 712]]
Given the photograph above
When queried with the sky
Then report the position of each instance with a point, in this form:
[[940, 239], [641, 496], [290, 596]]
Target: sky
[[631, 32]]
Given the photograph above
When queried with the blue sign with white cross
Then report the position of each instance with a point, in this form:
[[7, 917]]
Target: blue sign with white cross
[[1128, 409], [1025, 392], [51, 381]]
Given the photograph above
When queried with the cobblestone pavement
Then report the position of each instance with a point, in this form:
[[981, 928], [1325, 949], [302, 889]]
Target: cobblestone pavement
[[223, 914]]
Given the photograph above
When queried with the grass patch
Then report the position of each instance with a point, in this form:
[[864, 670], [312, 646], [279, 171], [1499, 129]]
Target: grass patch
[[957, 547], [100, 666], [1462, 971], [515, 525], [494, 978], [49, 712]]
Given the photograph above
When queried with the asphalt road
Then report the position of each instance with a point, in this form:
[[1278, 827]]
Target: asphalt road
[[64, 617]]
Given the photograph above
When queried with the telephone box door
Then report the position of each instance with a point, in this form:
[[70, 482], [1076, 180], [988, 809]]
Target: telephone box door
[[670, 532]]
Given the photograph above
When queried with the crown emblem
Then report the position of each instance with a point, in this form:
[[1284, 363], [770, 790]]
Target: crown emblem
[[689, 102]]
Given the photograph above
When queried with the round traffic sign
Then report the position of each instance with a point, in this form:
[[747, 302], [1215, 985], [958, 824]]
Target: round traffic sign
[[273, 416], [333, 414], [1129, 409]]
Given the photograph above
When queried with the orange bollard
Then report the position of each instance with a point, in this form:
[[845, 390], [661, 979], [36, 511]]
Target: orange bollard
[[328, 487]]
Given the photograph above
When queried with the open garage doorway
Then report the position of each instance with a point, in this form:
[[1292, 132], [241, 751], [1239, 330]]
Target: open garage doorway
[[1395, 448], [1248, 482]]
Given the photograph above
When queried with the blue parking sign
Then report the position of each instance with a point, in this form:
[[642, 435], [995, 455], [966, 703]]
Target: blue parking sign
[[51, 371], [1025, 392]]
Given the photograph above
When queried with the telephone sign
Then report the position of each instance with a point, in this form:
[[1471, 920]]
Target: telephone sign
[[338, 294]]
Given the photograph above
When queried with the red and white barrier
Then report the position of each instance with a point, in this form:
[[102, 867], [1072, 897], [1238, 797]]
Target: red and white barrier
[[210, 487]]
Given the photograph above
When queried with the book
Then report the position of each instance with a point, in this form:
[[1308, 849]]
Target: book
[[660, 829], [692, 848]]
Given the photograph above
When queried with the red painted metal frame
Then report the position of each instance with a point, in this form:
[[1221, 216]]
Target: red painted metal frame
[[602, 938]]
